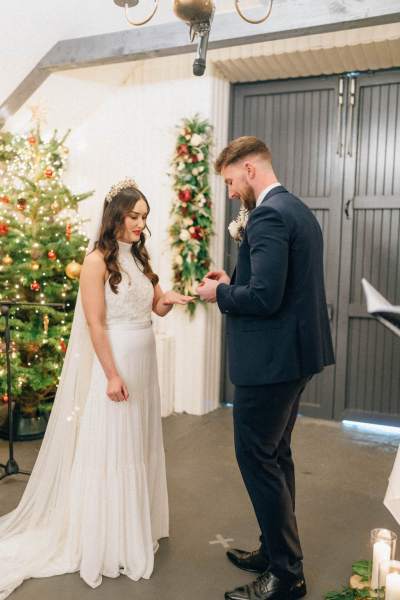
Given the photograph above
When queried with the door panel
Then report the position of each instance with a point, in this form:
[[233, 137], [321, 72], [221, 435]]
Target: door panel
[[368, 379], [298, 121]]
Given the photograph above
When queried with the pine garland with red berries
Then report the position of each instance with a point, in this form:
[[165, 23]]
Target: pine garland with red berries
[[191, 214]]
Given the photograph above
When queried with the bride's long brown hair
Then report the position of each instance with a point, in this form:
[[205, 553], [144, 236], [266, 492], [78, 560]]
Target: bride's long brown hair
[[115, 211]]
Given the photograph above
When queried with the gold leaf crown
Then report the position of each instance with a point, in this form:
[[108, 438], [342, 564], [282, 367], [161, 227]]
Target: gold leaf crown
[[118, 187]]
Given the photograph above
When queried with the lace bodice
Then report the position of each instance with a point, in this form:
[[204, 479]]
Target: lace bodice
[[133, 303]]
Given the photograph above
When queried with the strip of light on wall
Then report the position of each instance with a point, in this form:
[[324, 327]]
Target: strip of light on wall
[[372, 427]]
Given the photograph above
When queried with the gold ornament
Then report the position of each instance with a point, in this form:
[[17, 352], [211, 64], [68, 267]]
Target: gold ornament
[[7, 260], [35, 266], [36, 252], [73, 270], [193, 11], [32, 347], [46, 322]]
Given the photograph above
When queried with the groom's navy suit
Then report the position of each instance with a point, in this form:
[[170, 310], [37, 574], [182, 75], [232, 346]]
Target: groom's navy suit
[[278, 337]]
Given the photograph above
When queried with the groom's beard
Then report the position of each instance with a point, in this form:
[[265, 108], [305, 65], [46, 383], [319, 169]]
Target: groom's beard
[[248, 197]]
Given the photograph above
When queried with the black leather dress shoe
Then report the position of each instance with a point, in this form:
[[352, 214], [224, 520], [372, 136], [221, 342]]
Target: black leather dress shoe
[[254, 562], [269, 587]]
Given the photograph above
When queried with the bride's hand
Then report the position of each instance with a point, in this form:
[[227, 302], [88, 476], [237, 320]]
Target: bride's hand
[[172, 297], [117, 390]]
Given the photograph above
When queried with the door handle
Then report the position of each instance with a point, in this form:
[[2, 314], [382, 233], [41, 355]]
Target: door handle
[[352, 102], [347, 208], [339, 145]]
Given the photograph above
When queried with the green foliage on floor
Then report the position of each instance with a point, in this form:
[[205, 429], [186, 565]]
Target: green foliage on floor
[[362, 568]]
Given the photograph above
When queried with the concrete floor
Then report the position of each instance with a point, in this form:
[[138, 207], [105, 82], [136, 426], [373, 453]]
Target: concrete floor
[[341, 481]]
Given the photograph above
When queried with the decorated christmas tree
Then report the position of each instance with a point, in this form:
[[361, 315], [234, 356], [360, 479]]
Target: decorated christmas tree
[[41, 248]]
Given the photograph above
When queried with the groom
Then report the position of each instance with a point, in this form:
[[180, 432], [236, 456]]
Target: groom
[[278, 337]]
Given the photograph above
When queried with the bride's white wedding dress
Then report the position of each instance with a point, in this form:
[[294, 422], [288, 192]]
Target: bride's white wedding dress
[[97, 499]]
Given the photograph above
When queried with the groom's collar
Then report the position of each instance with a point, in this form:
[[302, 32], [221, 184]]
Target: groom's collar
[[266, 191]]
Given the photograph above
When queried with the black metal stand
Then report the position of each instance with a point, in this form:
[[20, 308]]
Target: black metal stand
[[11, 467]]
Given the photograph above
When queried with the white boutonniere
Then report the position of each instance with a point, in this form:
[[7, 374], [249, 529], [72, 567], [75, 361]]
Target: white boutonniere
[[238, 225]]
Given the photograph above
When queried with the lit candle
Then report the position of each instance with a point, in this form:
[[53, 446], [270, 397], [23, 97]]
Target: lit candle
[[383, 571], [392, 591], [380, 553]]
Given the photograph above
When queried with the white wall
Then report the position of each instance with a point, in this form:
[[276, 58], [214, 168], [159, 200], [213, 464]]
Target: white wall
[[123, 122], [30, 29]]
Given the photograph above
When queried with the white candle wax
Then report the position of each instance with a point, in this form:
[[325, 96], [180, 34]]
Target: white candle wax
[[392, 591], [383, 571], [380, 553]]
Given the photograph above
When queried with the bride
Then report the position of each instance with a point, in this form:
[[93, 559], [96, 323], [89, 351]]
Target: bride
[[96, 501]]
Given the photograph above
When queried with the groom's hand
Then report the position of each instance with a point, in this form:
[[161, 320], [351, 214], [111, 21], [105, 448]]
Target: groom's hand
[[219, 276], [207, 289]]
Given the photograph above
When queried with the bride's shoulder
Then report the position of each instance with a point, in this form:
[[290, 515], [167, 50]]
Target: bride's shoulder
[[94, 261]]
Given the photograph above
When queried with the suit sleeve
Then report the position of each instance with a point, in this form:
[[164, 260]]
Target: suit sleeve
[[268, 239]]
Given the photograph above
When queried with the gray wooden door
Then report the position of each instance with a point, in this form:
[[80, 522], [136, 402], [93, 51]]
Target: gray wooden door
[[298, 119], [368, 355], [335, 142]]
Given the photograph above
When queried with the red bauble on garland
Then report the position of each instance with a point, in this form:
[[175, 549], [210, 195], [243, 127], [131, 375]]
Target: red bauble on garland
[[5, 199], [48, 173], [183, 149], [196, 232], [32, 140], [185, 195], [51, 255], [3, 229]]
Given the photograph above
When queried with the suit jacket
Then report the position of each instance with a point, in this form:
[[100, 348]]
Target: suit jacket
[[277, 319]]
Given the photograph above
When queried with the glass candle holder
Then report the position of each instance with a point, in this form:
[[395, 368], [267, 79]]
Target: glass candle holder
[[383, 542], [389, 579]]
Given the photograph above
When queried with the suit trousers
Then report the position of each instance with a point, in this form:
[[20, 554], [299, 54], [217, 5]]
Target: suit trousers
[[264, 417]]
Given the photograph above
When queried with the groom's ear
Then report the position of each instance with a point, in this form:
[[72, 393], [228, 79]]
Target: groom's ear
[[250, 169]]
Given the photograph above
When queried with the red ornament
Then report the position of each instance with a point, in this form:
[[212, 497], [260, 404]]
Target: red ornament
[[3, 229], [196, 232], [4, 397], [32, 140], [185, 195], [183, 149], [5, 199], [63, 346], [48, 173], [194, 158], [52, 255], [68, 231], [35, 286]]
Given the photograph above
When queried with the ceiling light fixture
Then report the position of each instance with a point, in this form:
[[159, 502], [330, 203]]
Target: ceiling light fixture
[[198, 14]]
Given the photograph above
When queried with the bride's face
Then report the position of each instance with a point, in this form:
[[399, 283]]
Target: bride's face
[[134, 223]]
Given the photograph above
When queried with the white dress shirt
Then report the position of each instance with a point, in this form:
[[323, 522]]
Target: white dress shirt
[[265, 192]]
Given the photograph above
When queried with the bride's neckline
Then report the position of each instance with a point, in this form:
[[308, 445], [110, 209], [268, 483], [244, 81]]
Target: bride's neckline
[[124, 247]]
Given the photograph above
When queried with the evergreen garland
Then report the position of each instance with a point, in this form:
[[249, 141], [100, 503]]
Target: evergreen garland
[[191, 216]]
